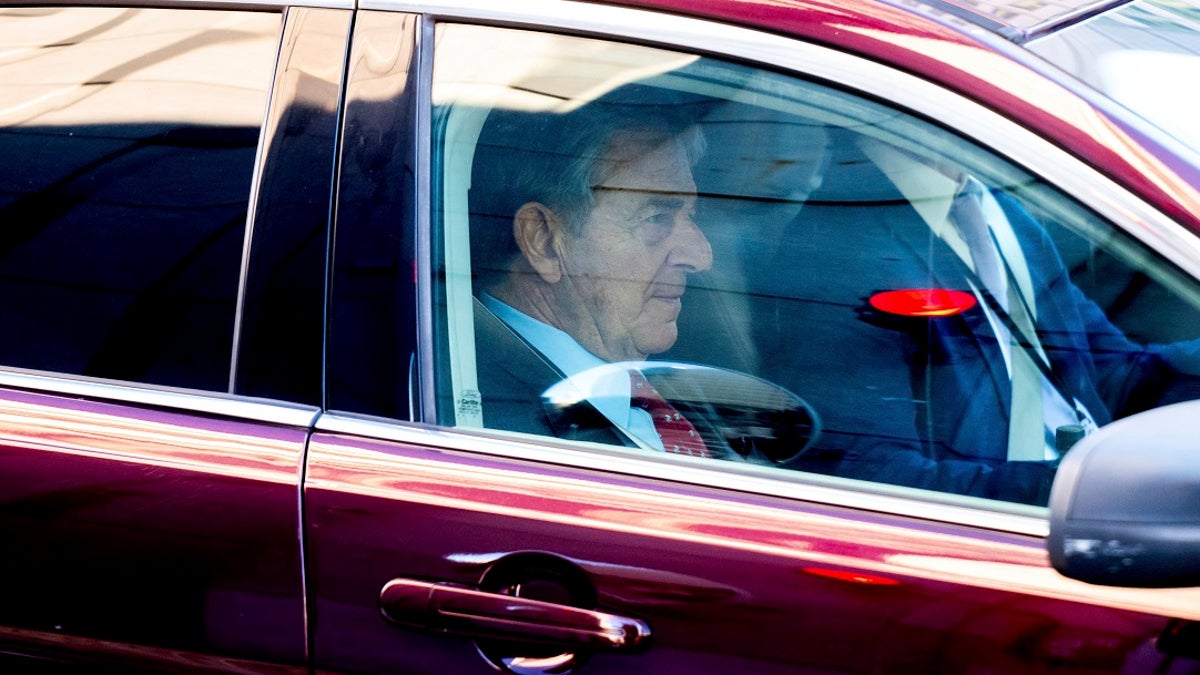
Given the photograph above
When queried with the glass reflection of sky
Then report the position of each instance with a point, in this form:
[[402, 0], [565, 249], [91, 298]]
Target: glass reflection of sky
[[67, 66], [1145, 55]]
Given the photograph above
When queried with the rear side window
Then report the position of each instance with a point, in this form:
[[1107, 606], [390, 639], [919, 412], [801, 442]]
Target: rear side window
[[128, 139]]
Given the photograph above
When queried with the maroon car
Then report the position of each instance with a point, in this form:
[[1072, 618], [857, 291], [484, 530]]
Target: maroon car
[[919, 287]]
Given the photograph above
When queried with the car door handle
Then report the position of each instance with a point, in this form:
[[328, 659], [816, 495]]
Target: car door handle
[[464, 611]]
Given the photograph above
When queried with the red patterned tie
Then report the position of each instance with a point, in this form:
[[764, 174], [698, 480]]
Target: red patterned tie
[[677, 433]]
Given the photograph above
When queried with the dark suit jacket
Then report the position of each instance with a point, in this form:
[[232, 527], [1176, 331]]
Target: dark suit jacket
[[513, 377], [925, 402]]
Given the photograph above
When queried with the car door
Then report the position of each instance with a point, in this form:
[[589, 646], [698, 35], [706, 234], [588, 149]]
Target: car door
[[472, 504], [149, 509]]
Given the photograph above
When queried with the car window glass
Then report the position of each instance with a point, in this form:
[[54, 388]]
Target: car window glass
[[129, 138], [370, 351], [648, 249]]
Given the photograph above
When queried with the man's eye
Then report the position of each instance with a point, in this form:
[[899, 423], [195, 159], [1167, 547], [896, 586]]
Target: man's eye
[[657, 227]]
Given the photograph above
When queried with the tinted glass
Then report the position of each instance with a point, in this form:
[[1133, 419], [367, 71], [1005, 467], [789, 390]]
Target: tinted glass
[[675, 255], [371, 351], [128, 139], [282, 328]]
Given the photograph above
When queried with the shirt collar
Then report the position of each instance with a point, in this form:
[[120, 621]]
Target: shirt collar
[[610, 394]]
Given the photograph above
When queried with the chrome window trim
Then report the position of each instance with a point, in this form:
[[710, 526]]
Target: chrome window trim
[[828, 490], [180, 400]]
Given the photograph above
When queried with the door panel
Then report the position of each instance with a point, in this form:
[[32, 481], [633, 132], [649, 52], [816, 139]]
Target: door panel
[[414, 536], [727, 582], [147, 538]]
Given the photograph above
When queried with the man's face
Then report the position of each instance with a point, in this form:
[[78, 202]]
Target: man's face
[[626, 267]]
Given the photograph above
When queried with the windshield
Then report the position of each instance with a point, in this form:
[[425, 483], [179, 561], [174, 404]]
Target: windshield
[[1145, 55]]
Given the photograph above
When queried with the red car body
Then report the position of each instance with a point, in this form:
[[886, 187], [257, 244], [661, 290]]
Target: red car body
[[154, 527]]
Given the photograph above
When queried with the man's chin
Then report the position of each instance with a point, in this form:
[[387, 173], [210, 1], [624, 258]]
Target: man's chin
[[657, 341]]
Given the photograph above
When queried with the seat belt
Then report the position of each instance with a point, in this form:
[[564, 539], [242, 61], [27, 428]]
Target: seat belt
[[462, 129], [926, 188]]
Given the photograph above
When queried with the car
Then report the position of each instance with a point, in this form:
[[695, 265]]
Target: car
[[267, 403]]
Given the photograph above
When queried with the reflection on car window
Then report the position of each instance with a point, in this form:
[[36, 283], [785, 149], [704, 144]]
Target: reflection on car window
[[1137, 53], [924, 313], [129, 137]]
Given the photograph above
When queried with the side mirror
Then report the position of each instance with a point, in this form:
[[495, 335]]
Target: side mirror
[[1125, 506]]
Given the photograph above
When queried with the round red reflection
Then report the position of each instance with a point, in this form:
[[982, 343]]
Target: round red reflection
[[923, 302]]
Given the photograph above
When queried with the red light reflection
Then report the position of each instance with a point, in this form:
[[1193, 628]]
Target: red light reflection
[[923, 302], [852, 576]]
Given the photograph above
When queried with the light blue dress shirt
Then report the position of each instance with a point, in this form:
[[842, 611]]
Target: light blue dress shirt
[[609, 395]]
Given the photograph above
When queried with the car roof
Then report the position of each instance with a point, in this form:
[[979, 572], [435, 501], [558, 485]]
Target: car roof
[[1015, 20]]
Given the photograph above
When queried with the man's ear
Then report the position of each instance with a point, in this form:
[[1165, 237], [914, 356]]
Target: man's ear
[[538, 231]]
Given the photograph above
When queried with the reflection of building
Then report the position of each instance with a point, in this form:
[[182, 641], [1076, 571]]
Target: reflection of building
[[65, 66], [129, 138]]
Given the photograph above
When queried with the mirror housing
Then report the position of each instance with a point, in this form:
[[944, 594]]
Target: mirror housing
[[1125, 506]]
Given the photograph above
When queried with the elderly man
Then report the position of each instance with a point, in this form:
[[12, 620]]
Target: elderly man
[[582, 241]]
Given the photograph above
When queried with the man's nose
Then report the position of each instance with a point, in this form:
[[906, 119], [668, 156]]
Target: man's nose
[[691, 249]]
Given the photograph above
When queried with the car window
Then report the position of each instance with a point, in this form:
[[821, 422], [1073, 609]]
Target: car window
[[129, 138], [677, 255]]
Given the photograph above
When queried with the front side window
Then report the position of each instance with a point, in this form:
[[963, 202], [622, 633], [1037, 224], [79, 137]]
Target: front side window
[[677, 255], [128, 138]]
